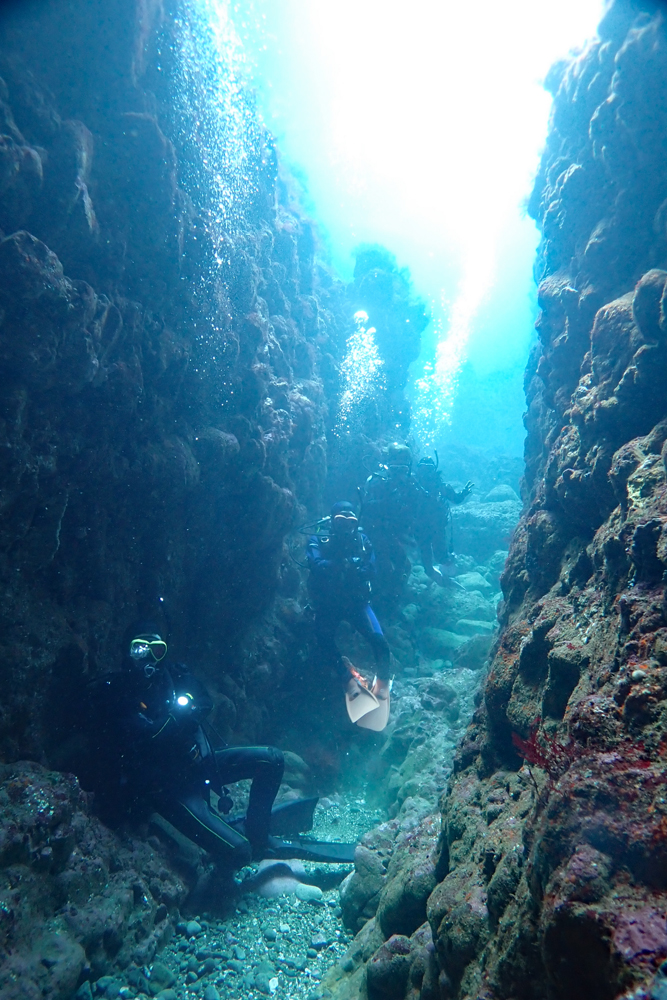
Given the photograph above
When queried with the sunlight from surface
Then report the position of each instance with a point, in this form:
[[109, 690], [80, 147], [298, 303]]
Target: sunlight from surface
[[419, 127]]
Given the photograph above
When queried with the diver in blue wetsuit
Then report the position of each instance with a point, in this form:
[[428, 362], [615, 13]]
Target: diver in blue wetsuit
[[342, 565], [150, 738]]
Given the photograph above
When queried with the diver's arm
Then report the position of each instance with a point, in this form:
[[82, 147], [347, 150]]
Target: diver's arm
[[457, 496], [315, 556]]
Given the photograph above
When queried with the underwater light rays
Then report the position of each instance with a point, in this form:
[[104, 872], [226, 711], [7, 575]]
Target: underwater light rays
[[420, 128]]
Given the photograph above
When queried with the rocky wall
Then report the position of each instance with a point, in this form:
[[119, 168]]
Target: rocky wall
[[165, 403], [548, 880], [167, 406]]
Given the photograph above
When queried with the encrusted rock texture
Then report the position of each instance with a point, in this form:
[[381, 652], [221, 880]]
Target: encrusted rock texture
[[550, 874], [166, 417], [74, 898]]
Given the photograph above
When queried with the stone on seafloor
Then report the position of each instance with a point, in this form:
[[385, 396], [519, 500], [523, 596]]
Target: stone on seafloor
[[501, 493], [474, 581], [263, 983], [161, 976], [277, 878], [211, 993], [438, 643], [468, 626], [308, 893], [387, 972], [192, 928]]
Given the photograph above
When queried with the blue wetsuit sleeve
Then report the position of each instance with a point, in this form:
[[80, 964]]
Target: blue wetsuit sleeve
[[315, 556]]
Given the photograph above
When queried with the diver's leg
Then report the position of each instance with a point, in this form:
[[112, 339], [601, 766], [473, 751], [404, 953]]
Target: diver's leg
[[372, 631], [326, 625], [191, 814], [265, 766], [426, 552]]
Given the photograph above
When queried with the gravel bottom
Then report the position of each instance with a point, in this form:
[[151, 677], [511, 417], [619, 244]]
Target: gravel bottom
[[269, 947]]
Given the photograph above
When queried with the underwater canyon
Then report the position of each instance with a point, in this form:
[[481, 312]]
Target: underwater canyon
[[172, 360]]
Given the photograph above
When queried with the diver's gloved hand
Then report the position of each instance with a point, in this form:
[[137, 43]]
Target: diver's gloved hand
[[467, 489]]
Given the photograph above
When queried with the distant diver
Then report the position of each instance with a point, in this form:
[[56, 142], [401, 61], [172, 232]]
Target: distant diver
[[400, 507], [151, 750], [433, 515], [342, 565], [390, 500]]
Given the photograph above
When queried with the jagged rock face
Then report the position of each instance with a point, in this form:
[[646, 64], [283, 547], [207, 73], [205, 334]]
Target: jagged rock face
[[74, 899], [156, 441], [165, 404], [556, 878], [551, 866]]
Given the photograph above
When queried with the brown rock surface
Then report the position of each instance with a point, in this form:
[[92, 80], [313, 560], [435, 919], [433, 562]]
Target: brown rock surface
[[551, 865]]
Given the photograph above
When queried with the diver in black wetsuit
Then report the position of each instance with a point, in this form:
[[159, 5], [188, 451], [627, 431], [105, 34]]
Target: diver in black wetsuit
[[391, 500], [342, 564], [433, 515], [150, 739]]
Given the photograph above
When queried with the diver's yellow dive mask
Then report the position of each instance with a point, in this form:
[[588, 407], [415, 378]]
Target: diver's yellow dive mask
[[141, 647], [346, 522]]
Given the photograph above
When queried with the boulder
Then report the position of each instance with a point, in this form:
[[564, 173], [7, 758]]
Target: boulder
[[474, 581], [439, 643], [467, 626], [402, 905], [387, 972], [481, 528], [500, 494], [360, 891]]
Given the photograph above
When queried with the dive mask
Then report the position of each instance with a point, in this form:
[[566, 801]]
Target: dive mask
[[398, 471], [345, 522], [141, 648]]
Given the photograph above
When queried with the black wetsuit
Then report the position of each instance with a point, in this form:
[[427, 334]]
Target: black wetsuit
[[433, 517], [153, 751], [341, 569], [390, 507]]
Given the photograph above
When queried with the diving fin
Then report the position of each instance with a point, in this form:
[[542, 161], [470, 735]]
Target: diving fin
[[359, 701], [287, 819], [292, 817], [310, 850], [377, 719]]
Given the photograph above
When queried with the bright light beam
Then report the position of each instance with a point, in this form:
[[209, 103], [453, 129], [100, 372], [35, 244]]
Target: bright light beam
[[420, 127]]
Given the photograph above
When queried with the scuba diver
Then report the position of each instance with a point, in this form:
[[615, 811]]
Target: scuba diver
[[391, 503], [342, 565], [434, 515], [149, 735]]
